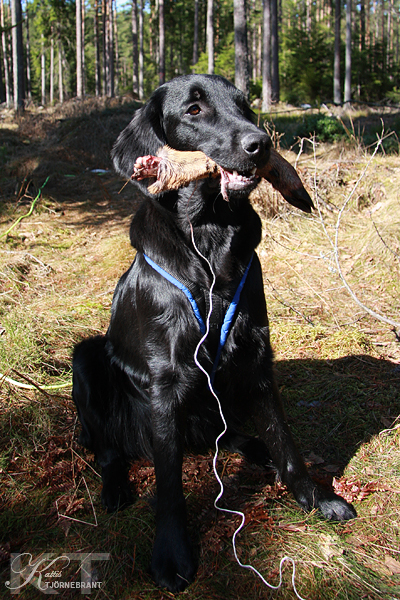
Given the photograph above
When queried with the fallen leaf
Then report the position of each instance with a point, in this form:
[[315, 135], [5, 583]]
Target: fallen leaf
[[294, 528], [360, 540], [351, 489], [329, 547], [392, 564]]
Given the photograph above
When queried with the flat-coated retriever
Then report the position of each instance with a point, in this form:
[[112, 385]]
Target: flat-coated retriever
[[137, 389]]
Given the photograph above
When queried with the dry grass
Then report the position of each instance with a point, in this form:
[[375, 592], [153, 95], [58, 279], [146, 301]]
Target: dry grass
[[338, 369]]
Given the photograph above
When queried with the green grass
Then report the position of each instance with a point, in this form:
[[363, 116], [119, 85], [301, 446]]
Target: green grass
[[356, 128]]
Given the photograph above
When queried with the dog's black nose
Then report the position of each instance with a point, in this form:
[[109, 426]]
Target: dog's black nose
[[256, 144]]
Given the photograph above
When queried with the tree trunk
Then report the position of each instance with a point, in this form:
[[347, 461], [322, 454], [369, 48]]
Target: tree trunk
[[97, 77], [51, 69], [337, 96], [253, 54], [308, 15], [109, 49], [18, 55], [28, 60], [141, 55], [161, 42], [210, 36], [266, 62], [242, 80], [389, 33], [196, 33], [79, 66], [151, 33], [259, 50], [135, 75], [274, 52], [347, 83], [7, 82], [362, 25], [83, 48], [116, 50], [2, 91], [104, 52], [43, 72], [60, 71]]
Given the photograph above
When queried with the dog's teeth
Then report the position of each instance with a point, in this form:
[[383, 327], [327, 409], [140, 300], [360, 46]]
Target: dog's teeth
[[253, 172], [235, 173]]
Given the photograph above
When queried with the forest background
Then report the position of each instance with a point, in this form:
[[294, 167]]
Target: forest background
[[304, 51]]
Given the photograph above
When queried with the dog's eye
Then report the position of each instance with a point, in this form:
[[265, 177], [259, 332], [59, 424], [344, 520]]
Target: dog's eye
[[194, 110]]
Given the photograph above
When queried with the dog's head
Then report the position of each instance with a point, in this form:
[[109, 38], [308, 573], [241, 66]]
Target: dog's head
[[198, 112]]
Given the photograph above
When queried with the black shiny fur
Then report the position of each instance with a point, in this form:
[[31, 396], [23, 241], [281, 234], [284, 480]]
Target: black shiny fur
[[137, 389]]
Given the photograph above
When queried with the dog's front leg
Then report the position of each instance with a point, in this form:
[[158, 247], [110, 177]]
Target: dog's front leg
[[172, 564], [273, 429]]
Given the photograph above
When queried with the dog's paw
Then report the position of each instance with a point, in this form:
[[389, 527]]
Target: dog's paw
[[333, 507], [172, 564], [116, 497]]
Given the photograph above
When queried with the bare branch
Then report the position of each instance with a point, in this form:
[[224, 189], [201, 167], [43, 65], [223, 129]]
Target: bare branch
[[335, 243]]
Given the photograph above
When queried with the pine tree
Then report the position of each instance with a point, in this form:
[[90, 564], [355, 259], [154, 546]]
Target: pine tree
[[347, 83], [7, 79], [43, 72], [196, 33], [60, 71], [266, 64], [108, 43], [28, 58], [18, 55], [242, 79], [79, 50], [337, 97], [97, 76], [210, 35], [51, 69], [161, 42], [135, 53], [275, 93], [141, 55]]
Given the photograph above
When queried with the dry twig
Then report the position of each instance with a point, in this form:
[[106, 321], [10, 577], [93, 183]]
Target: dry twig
[[335, 243]]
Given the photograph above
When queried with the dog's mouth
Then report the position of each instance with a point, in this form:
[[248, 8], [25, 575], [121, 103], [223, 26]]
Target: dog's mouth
[[233, 181]]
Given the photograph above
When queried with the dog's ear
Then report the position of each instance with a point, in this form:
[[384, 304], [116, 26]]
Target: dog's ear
[[144, 135]]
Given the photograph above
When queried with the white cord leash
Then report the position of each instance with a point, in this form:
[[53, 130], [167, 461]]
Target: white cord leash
[[215, 458]]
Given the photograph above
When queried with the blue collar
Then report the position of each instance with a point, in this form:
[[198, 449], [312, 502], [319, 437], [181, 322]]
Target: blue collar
[[229, 315]]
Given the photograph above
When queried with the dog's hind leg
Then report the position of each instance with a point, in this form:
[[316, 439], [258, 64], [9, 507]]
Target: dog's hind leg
[[116, 493], [94, 393]]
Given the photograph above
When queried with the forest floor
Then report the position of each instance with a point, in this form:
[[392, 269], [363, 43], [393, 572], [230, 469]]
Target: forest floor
[[61, 253]]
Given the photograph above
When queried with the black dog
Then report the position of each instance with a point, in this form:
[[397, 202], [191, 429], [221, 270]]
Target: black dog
[[137, 389]]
